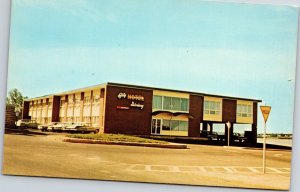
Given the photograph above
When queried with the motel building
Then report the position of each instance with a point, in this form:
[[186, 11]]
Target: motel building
[[141, 110]]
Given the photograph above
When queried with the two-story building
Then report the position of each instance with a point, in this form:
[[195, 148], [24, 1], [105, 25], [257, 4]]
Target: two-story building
[[141, 110]]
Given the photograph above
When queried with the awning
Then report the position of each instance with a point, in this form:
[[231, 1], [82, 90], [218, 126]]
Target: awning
[[175, 114]]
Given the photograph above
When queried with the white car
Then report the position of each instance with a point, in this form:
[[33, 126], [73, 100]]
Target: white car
[[60, 126], [27, 123]]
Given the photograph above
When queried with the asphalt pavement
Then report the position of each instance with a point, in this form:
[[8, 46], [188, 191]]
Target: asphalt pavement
[[36, 153]]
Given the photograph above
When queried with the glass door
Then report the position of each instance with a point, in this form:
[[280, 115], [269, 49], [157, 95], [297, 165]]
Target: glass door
[[156, 126]]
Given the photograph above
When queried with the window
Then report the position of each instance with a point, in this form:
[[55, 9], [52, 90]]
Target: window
[[77, 101], [77, 119], [167, 104], [96, 99], [244, 110], [174, 125], [212, 107], [184, 104], [71, 101], [157, 102], [170, 103], [166, 125], [87, 119], [95, 119], [183, 126], [87, 99], [62, 102]]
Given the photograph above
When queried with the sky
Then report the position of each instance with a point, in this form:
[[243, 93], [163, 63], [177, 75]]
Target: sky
[[241, 50]]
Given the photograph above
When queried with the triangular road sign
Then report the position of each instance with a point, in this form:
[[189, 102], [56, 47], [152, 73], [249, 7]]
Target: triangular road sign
[[265, 110]]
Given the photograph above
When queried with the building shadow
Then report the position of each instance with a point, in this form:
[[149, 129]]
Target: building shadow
[[205, 141], [25, 132]]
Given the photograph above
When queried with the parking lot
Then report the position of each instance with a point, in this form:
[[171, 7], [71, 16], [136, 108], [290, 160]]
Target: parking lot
[[38, 153]]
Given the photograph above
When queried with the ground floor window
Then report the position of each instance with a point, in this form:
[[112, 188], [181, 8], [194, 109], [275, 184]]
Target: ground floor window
[[77, 119], [95, 119], [87, 119], [45, 120], [162, 125], [70, 119], [61, 119], [174, 125]]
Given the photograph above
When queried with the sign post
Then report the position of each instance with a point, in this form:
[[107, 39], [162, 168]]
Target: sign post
[[228, 133], [265, 110]]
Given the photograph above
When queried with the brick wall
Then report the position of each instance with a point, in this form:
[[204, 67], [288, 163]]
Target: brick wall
[[10, 116]]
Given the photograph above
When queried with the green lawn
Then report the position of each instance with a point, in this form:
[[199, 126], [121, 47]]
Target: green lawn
[[115, 138]]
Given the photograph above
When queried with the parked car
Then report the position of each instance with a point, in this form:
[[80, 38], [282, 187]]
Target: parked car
[[27, 123], [212, 136], [209, 135], [204, 133], [45, 127], [82, 128], [60, 126], [239, 137], [41, 126]]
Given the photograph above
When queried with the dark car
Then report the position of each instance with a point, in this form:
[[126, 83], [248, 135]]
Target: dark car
[[82, 127], [204, 133], [212, 136], [238, 137]]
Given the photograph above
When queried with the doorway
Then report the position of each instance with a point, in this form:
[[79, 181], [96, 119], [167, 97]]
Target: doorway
[[156, 126]]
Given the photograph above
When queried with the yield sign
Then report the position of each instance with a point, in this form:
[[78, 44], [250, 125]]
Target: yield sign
[[265, 110]]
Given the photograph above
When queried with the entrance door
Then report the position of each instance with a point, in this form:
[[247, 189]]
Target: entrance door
[[156, 126]]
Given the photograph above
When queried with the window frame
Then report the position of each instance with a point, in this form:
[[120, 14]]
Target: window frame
[[216, 110], [242, 111], [180, 105]]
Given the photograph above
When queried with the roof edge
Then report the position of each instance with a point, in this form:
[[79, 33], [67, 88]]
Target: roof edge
[[180, 91]]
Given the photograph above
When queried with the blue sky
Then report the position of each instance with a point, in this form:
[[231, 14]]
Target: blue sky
[[233, 49]]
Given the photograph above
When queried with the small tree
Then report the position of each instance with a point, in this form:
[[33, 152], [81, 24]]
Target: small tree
[[15, 98]]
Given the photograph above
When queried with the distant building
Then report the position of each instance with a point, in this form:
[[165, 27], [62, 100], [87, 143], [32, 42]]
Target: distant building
[[140, 110], [10, 116]]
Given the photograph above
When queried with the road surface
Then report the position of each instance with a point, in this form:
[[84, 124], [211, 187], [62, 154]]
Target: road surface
[[44, 154]]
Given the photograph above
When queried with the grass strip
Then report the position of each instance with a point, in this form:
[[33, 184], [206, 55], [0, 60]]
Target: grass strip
[[115, 138]]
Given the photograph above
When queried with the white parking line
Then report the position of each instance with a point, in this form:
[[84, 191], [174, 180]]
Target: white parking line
[[229, 170], [275, 170], [195, 169]]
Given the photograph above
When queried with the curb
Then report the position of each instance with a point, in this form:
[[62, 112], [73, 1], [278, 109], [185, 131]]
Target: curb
[[89, 141]]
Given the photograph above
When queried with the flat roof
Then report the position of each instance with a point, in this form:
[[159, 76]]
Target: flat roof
[[180, 91], [139, 87]]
